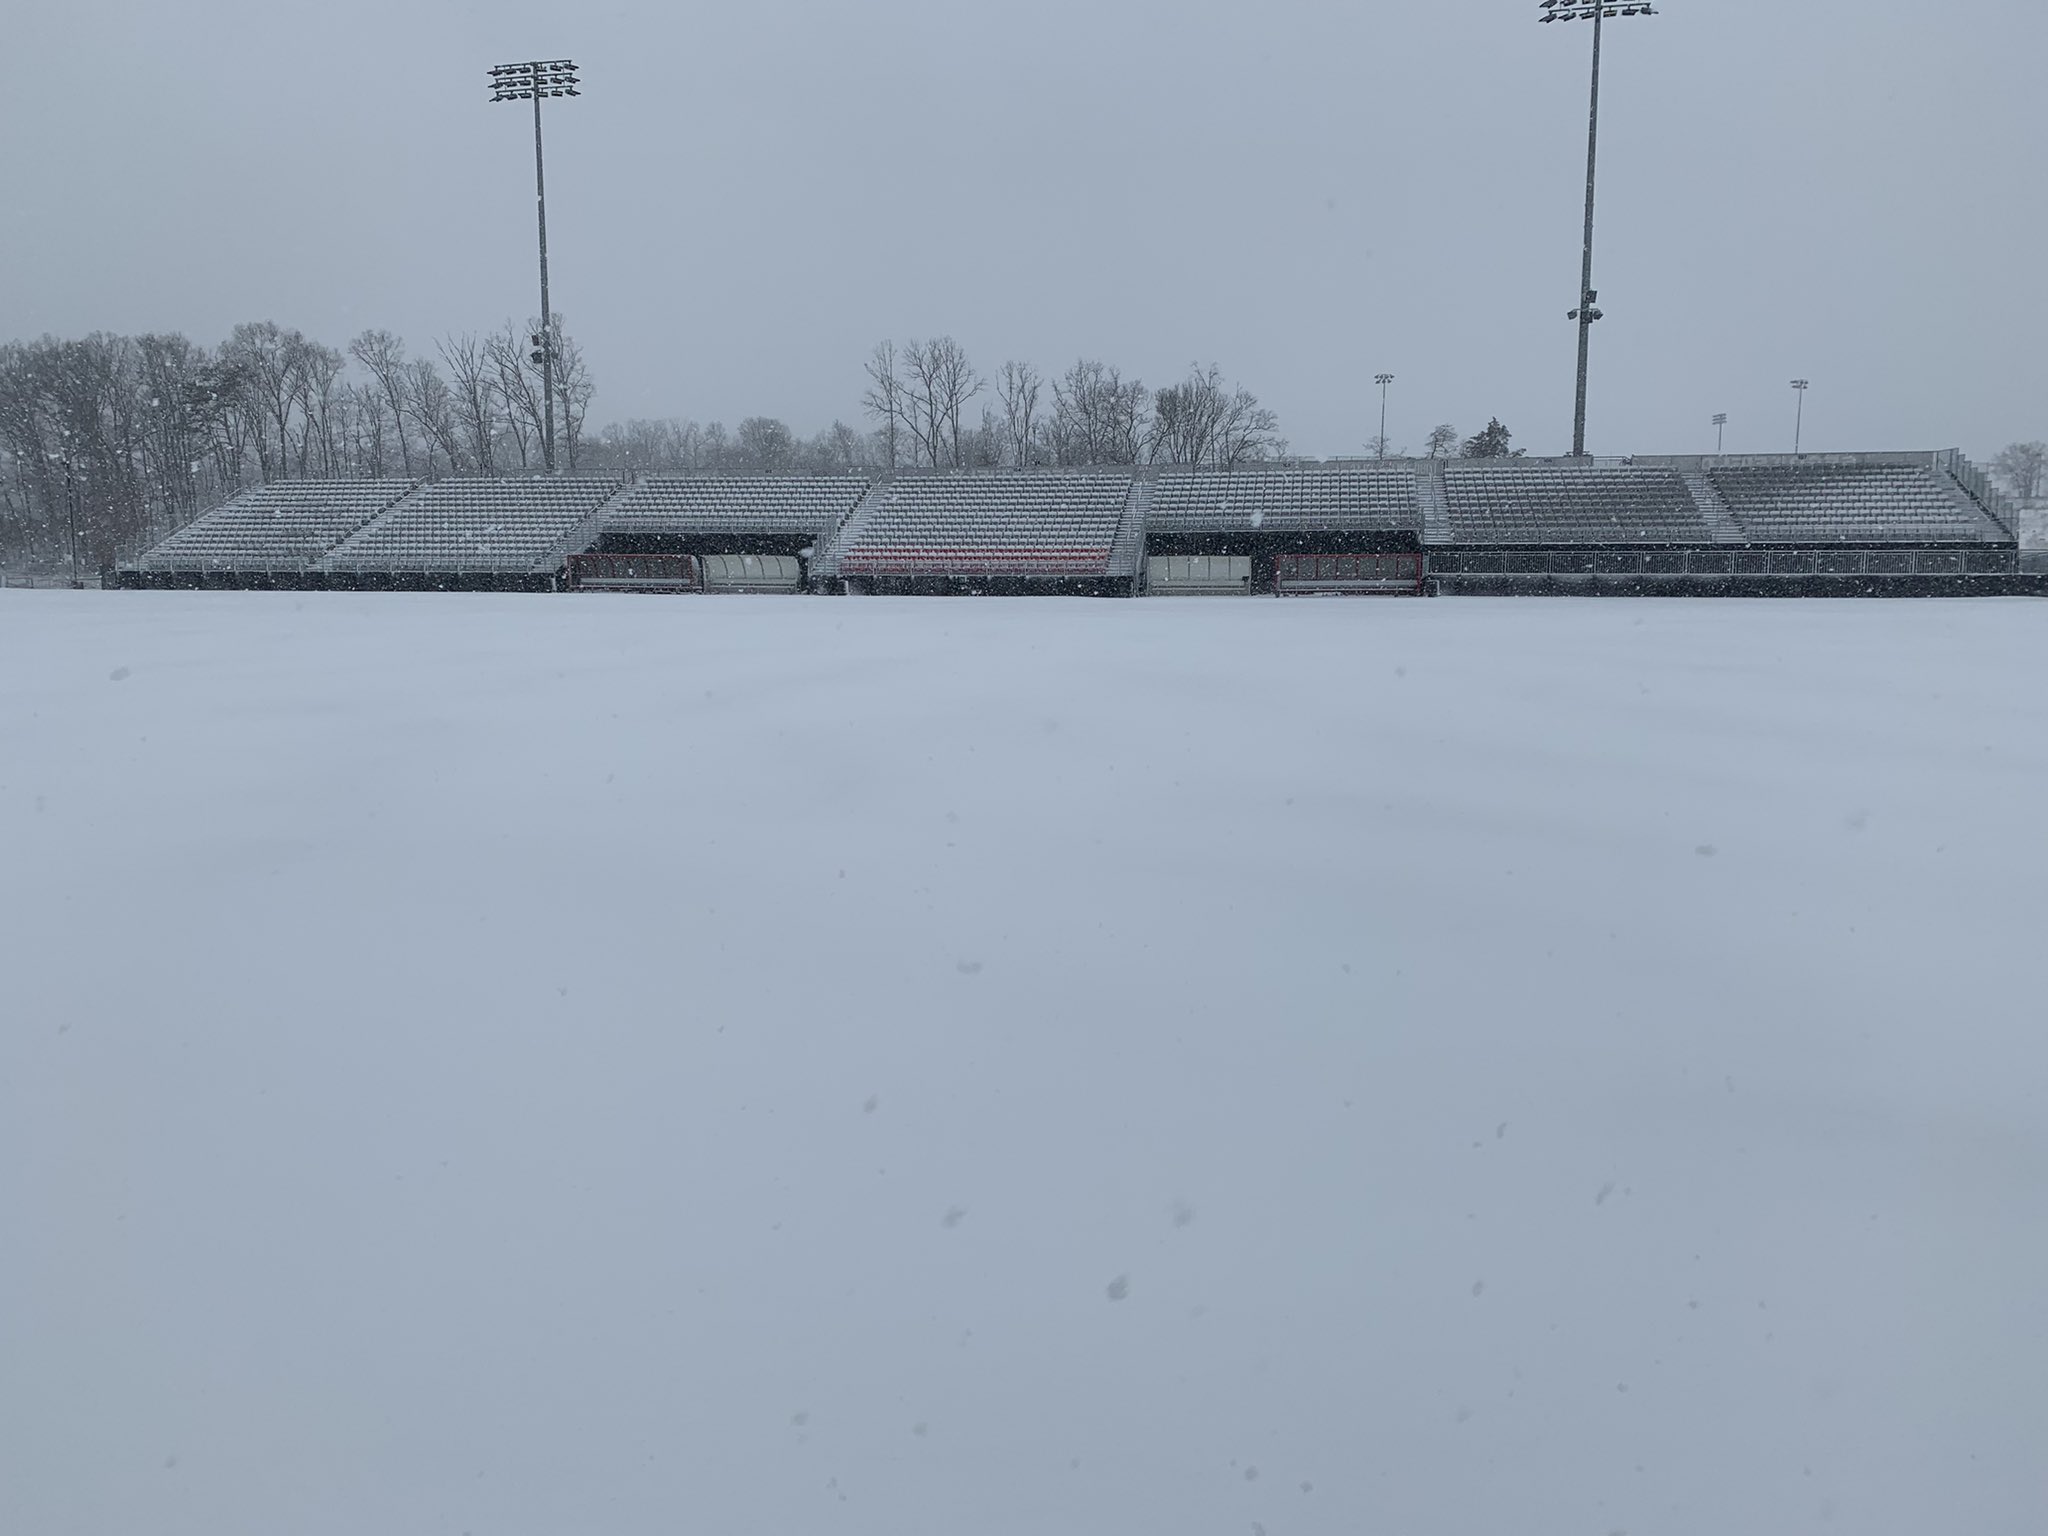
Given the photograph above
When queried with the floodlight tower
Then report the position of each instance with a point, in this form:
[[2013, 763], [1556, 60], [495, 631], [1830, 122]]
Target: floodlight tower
[[1720, 431], [1588, 310], [1800, 387], [535, 81], [1383, 380]]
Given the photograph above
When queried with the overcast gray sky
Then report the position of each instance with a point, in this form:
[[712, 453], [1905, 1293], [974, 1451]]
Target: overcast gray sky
[[1304, 191]]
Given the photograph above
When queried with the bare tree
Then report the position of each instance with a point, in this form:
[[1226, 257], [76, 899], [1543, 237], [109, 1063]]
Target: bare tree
[[884, 396], [270, 358], [1247, 433], [433, 412], [383, 356], [1017, 388], [364, 440], [175, 432], [956, 383], [937, 381], [1442, 439], [1203, 420], [923, 409], [766, 446], [473, 383], [1099, 417], [640, 444], [518, 390], [317, 381], [841, 447], [573, 391], [2024, 469]]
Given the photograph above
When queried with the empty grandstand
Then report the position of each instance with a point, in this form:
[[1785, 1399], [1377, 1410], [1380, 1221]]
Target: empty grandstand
[[741, 534], [1365, 497], [1847, 525], [1569, 501], [273, 534], [472, 532], [1863, 524], [1847, 503], [987, 532], [1354, 526]]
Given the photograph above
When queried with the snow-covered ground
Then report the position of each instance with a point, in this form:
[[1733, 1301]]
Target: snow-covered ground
[[612, 1065]]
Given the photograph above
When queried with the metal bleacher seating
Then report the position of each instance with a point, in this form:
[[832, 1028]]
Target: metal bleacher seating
[[285, 526], [1006, 524], [454, 526], [708, 507], [1549, 501], [1845, 503], [1371, 497]]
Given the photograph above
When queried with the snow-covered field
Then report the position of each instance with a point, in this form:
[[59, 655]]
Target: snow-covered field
[[523, 1066]]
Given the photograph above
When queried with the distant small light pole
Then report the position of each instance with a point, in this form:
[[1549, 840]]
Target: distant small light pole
[[1588, 310], [534, 82], [1799, 418], [70, 501], [1720, 431], [1383, 380]]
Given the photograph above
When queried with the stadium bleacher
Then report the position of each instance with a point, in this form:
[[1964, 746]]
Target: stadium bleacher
[[1552, 501], [1844, 503], [280, 528], [1029, 525], [1893, 522], [459, 527], [708, 507], [1360, 496]]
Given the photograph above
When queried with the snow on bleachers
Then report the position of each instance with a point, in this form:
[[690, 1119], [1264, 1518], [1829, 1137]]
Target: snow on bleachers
[[1370, 497], [1844, 503], [1508, 501], [1020, 524], [475, 525], [284, 526]]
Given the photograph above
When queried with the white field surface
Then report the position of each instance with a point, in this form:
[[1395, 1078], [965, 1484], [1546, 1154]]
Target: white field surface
[[610, 1065]]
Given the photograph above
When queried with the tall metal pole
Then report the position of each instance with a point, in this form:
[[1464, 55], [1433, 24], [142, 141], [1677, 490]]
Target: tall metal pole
[[1588, 310], [1799, 388], [1720, 432], [1383, 380], [547, 315], [1587, 314], [532, 81]]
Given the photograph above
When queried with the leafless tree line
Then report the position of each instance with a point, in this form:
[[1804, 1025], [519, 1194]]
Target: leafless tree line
[[762, 445], [119, 440], [918, 393], [918, 398]]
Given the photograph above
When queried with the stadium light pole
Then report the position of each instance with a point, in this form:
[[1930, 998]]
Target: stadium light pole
[[1383, 380], [1720, 431], [1588, 310], [1800, 387], [536, 81]]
